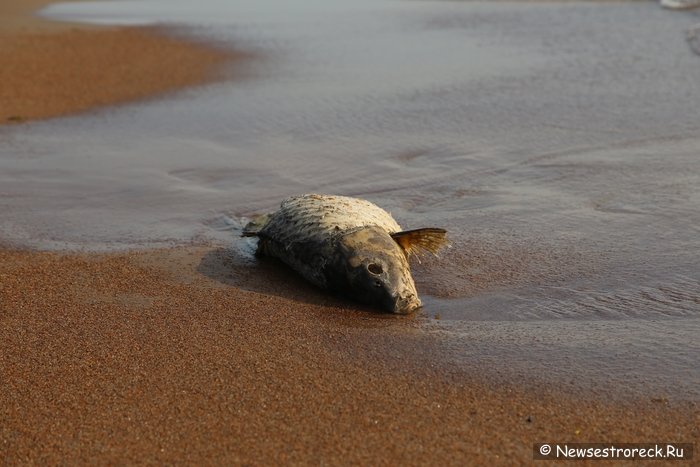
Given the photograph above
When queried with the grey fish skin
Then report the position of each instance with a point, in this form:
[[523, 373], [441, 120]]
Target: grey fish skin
[[342, 244]]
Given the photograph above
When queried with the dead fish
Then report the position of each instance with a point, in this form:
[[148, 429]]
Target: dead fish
[[346, 245]]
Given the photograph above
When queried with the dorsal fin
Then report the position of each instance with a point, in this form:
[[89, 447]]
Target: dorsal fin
[[429, 239]]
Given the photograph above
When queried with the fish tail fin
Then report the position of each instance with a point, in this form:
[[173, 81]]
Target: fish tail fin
[[413, 242], [256, 224]]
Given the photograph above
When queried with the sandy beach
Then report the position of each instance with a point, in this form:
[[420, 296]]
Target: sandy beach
[[52, 69], [182, 356], [149, 357]]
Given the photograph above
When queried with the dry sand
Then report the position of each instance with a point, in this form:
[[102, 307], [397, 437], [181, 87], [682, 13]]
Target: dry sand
[[166, 357], [52, 69]]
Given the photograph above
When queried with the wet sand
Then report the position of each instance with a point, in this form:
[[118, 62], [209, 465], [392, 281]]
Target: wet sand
[[52, 69], [154, 357], [182, 355]]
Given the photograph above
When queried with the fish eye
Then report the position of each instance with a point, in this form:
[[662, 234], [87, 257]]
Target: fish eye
[[375, 268]]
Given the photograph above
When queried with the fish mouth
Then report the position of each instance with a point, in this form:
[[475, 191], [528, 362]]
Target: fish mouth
[[405, 305]]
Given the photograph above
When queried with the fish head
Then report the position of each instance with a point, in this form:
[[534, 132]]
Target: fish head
[[372, 268]]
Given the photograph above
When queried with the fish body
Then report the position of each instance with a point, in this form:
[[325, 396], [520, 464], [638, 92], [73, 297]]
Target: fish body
[[347, 245]]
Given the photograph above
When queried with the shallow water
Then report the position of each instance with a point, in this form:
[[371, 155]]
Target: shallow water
[[558, 144]]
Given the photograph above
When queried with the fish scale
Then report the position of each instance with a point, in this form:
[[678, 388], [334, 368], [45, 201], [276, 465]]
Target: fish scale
[[319, 216], [308, 223]]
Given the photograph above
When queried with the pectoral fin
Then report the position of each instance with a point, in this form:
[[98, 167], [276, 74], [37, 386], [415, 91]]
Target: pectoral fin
[[429, 239]]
